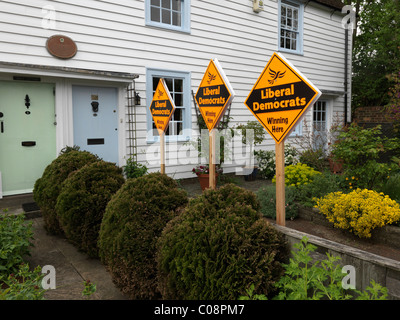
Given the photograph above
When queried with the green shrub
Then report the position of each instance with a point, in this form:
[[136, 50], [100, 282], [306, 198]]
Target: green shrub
[[134, 169], [267, 197], [15, 241], [24, 284], [82, 201], [360, 151], [219, 246], [314, 158], [299, 174], [133, 221], [392, 187], [320, 186], [48, 187], [266, 160]]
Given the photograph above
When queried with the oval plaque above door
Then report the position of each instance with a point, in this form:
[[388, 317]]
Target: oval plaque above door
[[61, 46]]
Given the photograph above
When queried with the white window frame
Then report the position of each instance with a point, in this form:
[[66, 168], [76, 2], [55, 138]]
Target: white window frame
[[300, 7], [187, 113], [185, 17]]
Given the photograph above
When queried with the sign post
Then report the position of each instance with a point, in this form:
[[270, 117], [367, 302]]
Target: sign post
[[278, 100], [162, 108], [213, 97]]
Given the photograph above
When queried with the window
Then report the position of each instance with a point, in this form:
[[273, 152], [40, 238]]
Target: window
[[178, 84], [291, 27], [170, 14]]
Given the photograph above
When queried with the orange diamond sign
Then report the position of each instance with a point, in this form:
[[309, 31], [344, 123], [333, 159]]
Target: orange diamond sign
[[280, 97], [162, 106], [214, 94]]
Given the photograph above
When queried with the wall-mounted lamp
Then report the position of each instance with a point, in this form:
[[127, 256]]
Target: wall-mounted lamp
[[137, 99], [258, 5]]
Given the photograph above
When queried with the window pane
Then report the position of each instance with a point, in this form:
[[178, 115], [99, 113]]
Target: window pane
[[155, 3], [166, 4], [179, 128], [176, 5], [170, 84], [176, 18], [178, 114], [155, 14], [166, 16], [178, 99], [293, 44], [289, 12], [283, 11], [155, 83], [178, 85]]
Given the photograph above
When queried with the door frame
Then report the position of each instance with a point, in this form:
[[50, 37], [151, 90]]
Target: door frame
[[64, 108]]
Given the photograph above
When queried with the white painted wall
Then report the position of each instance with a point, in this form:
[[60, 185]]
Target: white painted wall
[[112, 36]]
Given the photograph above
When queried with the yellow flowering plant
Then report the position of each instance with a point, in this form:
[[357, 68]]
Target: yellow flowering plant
[[359, 211], [298, 174]]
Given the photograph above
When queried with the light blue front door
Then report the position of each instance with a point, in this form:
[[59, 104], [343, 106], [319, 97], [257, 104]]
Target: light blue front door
[[95, 114]]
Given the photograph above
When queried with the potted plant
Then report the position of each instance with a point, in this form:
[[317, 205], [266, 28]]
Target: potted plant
[[254, 137], [202, 172]]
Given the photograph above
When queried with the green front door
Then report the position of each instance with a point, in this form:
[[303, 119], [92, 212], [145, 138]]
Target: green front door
[[27, 134]]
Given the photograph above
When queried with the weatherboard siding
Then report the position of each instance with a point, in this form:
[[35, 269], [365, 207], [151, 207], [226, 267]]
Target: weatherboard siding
[[113, 36]]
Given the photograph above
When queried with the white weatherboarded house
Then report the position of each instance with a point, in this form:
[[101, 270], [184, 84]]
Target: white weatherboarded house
[[123, 47]]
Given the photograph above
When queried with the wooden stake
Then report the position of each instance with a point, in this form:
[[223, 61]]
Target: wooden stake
[[280, 183], [162, 151], [212, 176]]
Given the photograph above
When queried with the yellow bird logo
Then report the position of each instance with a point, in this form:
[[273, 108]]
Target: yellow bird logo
[[275, 75], [211, 77]]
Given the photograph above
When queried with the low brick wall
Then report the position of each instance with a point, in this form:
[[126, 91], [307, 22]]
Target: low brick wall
[[368, 266]]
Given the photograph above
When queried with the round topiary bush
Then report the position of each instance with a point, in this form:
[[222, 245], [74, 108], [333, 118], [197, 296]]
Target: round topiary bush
[[132, 223], [48, 187], [218, 247], [82, 201]]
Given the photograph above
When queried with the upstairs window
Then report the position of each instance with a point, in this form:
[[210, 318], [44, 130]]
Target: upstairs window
[[291, 27], [169, 14]]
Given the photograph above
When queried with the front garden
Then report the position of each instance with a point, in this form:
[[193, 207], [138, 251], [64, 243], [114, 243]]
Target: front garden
[[157, 243]]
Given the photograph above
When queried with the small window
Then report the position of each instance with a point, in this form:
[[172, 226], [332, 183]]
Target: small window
[[178, 84], [291, 27], [170, 14]]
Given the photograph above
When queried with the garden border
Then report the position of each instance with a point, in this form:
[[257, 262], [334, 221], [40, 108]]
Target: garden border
[[385, 235], [368, 266]]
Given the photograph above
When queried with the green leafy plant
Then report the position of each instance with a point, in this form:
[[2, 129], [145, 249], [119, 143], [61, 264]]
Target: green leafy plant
[[298, 175], [392, 187], [267, 197], [134, 169], [320, 186], [23, 284], [133, 221], [218, 246], [82, 201], [48, 187], [15, 241], [250, 295], [306, 279], [359, 149], [89, 289]]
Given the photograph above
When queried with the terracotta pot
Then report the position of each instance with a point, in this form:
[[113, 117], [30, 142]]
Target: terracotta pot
[[336, 166], [204, 180]]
